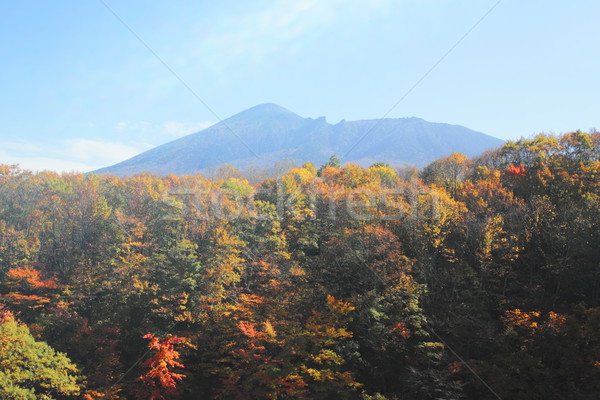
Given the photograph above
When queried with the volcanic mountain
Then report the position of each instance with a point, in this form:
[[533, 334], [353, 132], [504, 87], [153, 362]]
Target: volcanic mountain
[[267, 133]]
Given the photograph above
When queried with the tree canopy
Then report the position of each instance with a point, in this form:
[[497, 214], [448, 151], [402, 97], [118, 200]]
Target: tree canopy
[[469, 279]]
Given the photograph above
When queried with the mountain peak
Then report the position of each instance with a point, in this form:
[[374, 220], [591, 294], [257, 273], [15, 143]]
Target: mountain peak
[[264, 134], [269, 107], [265, 111]]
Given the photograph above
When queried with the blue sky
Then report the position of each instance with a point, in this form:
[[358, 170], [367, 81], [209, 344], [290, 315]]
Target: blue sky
[[79, 90]]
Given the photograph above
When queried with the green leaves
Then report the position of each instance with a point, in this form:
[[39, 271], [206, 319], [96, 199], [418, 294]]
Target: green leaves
[[30, 369]]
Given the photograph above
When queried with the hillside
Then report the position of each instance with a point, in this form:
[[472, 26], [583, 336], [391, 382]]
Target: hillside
[[267, 133], [479, 280]]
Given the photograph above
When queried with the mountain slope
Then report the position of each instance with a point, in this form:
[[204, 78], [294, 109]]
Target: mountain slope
[[267, 133]]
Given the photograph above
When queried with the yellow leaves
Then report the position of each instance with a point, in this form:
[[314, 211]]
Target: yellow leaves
[[326, 357], [458, 158], [432, 345], [12, 170], [313, 373], [111, 394], [447, 172], [269, 330], [225, 263], [383, 175], [343, 380], [556, 322], [531, 322], [173, 307], [227, 241], [139, 284], [496, 243], [328, 328], [303, 176], [338, 306], [240, 189], [521, 319], [433, 216]]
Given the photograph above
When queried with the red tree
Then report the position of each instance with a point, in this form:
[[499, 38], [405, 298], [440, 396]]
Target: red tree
[[160, 382]]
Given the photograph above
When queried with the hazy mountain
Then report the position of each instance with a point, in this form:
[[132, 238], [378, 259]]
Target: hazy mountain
[[267, 133]]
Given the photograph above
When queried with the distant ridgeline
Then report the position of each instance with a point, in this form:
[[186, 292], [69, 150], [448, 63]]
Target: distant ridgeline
[[265, 134]]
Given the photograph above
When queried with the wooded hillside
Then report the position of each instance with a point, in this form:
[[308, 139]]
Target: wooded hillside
[[476, 279]]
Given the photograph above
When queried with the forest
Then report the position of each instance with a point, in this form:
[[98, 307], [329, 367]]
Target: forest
[[466, 279]]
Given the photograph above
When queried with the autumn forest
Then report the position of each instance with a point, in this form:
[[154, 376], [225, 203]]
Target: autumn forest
[[467, 279]]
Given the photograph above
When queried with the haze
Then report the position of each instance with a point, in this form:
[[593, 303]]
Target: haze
[[81, 91]]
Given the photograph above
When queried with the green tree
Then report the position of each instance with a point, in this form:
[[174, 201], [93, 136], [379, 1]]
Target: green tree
[[334, 162], [31, 370]]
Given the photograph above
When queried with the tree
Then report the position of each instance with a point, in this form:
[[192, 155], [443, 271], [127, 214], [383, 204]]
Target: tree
[[160, 381], [334, 162], [447, 172], [30, 369]]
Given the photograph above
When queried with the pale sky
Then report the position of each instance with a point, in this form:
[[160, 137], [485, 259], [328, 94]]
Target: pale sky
[[80, 91]]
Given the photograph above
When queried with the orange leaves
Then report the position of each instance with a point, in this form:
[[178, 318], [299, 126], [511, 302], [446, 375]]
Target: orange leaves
[[29, 301], [27, 288], [160, 382], [523, 320], [331, 173], [401, 329], [13, 170], [251, 298], [338, 307], [112, 394], [248, 329], [5, 315], [278, 347], [31, 277], [532, 322], [327, 328]]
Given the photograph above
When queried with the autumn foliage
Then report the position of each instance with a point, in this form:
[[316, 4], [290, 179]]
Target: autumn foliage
[[338, 282], [160, 381]]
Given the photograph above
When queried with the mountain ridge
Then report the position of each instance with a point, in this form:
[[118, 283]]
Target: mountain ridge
[[266, 133]]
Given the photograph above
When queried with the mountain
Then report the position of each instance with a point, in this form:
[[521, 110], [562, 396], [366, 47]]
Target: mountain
[[267, 133]]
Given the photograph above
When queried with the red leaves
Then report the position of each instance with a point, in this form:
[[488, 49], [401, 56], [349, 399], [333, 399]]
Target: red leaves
[[515, 178], [517, 171], [160, 382]]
